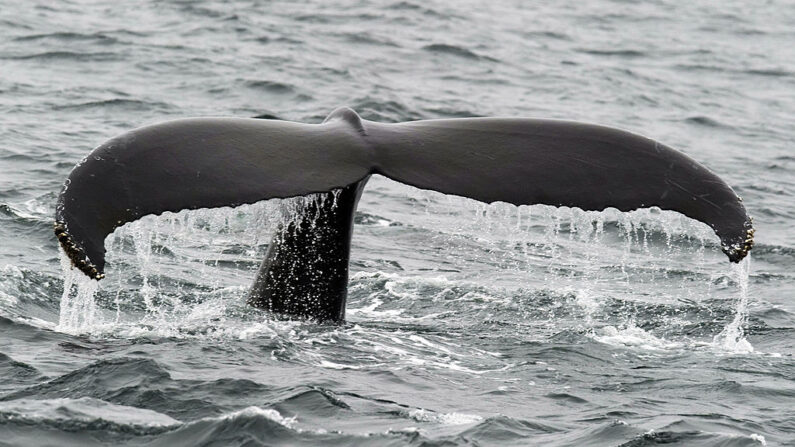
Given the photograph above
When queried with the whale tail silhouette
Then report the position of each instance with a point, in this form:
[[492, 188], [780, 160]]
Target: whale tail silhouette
[[213, 162]]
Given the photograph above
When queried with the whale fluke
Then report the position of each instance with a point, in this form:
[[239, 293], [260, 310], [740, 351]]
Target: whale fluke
[[199, 163], [213, 162], [559, 163]]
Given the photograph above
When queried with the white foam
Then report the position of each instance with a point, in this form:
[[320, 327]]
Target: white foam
[[7, 300], [632, 336], [758, 438], [422, 415], [370, 311], [254, 411], [333, 365], [13, 270], [8, 291], [86, 409]]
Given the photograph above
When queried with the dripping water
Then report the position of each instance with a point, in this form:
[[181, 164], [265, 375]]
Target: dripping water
[[174, 271], [173, 268], [732, 338], [78, 305]]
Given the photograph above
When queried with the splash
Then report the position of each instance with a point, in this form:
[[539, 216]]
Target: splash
[[178, 272], [732, 338], [633, 337], [78, 305], [600, 272], [548, 269]]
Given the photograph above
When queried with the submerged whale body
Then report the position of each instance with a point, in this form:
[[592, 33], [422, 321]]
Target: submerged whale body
[[213, 162]]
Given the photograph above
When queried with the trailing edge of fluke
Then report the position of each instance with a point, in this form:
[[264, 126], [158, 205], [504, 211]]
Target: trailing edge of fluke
[[213, 162]]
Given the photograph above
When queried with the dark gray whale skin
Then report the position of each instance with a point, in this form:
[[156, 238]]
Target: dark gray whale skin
[[305, 271], [213, 162]]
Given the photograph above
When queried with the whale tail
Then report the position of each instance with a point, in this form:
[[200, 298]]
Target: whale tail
[[213, 162], [305, 271]]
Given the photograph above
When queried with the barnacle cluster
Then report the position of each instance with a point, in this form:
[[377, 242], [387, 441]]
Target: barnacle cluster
[[739, 251], [749, 241], [75, 253]]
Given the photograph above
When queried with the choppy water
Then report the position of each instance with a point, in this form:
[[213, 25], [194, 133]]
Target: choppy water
[[467, 324]]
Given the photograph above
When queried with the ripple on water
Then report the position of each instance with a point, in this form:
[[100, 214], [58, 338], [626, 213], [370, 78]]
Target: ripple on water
[[456, 50]]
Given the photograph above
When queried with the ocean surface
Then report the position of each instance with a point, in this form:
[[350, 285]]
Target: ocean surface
[[467, 324]]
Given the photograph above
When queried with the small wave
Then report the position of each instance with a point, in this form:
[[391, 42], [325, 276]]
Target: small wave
[[256, 413], [451, 112], [8, 362], [68, 36], [249, 426], [405, 5], [567, 398], [120, 104], [86, 414], [122, 371], [547, 34], [23, 217], [369, 39], [507, 429], [279, 88], [769, 188], [767, 72], [316, 400], [336, 18], [690, 435], [14, 23], [774, 72], [426, 11], [266, 116], [618, 53], [705, 121], [67, 56], [146, 384], [777, 254], [385, 111], [454, 50], [93, 415], [202, 11], [16, 373]]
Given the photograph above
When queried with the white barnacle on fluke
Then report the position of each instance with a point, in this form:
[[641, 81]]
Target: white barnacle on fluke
[[514, 160], [741, 250], [75, 254]]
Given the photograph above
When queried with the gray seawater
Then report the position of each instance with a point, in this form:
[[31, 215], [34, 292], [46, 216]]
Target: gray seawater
[[467, 324]]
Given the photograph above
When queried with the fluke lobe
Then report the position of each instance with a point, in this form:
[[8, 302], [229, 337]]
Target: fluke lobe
[[213, 162]]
